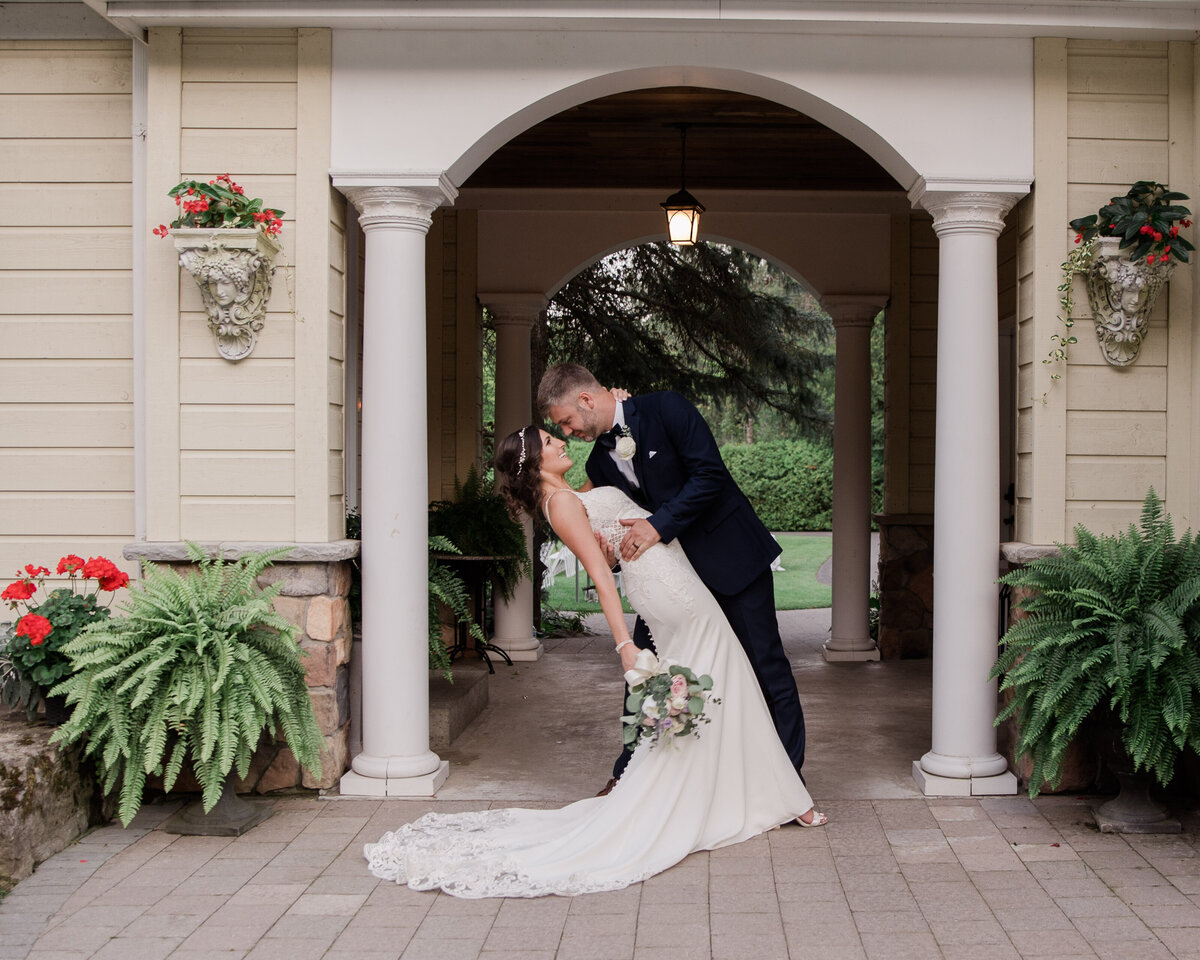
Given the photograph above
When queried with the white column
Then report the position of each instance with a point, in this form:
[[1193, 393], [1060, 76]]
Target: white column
[[514, 315], [395, 759], [850, 636], [966, 550]]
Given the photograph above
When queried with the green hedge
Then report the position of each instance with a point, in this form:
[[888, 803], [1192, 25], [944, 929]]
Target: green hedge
[[789, 482]]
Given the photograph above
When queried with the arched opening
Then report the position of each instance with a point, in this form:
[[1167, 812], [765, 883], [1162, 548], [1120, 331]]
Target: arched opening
[[536, 211]]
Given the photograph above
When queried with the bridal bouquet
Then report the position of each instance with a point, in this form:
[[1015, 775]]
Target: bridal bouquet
[[665, 701]]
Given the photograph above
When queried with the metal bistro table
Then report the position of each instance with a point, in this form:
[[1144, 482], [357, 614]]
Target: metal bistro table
[[474, 571]]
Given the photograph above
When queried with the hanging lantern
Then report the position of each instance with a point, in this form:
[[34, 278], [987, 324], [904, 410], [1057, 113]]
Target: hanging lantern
[[683, 210]]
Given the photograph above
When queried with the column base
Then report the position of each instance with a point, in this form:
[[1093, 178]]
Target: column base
[[931, 785], [356, 785], [861, 655], [523, 650]]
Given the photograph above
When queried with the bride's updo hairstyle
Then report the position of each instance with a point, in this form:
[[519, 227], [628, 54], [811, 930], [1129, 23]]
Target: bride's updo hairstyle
[[519, 470]]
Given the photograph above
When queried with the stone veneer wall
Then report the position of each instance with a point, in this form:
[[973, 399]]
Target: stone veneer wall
[[1081, 764], [316, 586], [905, 586]]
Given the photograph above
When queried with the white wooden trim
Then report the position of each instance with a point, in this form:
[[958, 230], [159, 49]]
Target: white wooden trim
[[313, 66], [1180, 492], [1048, 457], [162, 288]]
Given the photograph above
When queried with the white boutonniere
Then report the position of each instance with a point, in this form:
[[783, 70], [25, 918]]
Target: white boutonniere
[[625, 446]]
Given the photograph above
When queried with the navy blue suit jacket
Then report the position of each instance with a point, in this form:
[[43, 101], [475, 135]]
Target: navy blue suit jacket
[[689, 491]]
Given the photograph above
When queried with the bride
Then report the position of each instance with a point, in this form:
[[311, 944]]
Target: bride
[[732, 782]]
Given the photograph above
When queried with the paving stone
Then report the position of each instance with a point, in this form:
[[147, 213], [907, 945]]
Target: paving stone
[[900, 946], [441, 950], [979, 951], [454, 928], [1151, 895], [1109, 906], [588, 924], [543, 910], [1169, 915], [588, 948], [967, 931], [1102, 929], [730, 947], [1050, 943], [1025, 918], [138, 948], [672, 936]]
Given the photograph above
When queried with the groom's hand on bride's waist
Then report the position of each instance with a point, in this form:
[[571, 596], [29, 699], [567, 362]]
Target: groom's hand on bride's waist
[[610, 555], [640, 538]]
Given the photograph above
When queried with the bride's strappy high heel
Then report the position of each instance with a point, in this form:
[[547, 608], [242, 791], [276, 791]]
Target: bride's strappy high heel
[[818, 820]]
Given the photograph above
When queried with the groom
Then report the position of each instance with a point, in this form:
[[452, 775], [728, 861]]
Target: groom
[[676, 472]]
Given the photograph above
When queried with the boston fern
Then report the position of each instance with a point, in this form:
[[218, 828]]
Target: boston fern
[[196, 670], [1113, 628], [446, 586]]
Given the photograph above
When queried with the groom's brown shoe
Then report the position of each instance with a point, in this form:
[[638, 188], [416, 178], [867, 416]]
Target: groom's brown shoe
[[608, 787]]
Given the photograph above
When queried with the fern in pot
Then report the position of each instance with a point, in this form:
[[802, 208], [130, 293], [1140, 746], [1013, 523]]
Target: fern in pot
[[1111, 639], [197, 668]]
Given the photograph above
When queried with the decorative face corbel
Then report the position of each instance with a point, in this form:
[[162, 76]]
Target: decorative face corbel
[[233, 269], [1121, 293]]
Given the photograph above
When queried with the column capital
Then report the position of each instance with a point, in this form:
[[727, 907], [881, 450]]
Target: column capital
[[853, 309], [396, 202], [957, 208], [516, 308]]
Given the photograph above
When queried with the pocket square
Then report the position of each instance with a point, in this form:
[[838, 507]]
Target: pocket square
[[652, 453]]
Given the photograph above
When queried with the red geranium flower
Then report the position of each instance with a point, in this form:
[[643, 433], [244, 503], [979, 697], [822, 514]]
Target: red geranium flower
[[70, 563], [34, 627], [36, 571], [114, 581], [99, 567], [21, 590]]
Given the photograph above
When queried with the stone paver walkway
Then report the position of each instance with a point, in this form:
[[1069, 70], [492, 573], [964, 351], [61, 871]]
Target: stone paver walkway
[[889, 879]]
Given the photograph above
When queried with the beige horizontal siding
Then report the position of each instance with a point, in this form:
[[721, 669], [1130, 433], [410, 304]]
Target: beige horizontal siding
[[236, 518], [85, 424], [58, 337], [66, 204], [65, 115], [246, 427], [1118, 131], [65, 248], [243, 106], [238, 113], [48, 469], [237, 473]]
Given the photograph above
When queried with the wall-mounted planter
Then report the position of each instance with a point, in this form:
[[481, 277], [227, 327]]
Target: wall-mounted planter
[[1121, 294], [232, 267]]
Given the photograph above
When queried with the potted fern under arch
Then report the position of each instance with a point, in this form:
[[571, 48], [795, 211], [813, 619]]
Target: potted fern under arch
[[1110, 644], [196, 670]]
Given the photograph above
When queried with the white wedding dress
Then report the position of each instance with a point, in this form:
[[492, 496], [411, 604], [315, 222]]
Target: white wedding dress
[[730, 783]]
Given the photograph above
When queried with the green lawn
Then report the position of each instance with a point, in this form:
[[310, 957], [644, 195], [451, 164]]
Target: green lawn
[[796, 587]]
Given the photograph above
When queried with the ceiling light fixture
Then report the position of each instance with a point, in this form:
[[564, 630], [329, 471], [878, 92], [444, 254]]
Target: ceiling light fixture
[[683, 210]]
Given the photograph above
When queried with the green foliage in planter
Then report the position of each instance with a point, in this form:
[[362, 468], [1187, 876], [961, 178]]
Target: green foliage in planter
[[477, 521], [1113, 625], [196, 670], [17, 692], [446, 586]]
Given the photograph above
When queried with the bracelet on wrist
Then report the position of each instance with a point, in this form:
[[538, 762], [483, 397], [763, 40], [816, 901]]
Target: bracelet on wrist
[[623, 643]]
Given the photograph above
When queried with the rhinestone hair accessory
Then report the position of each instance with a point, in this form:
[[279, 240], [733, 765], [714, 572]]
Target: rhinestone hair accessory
[[521, 459]]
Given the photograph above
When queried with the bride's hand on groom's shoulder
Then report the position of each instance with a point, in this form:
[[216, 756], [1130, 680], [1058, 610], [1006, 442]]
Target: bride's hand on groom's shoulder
[[619, 393]]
